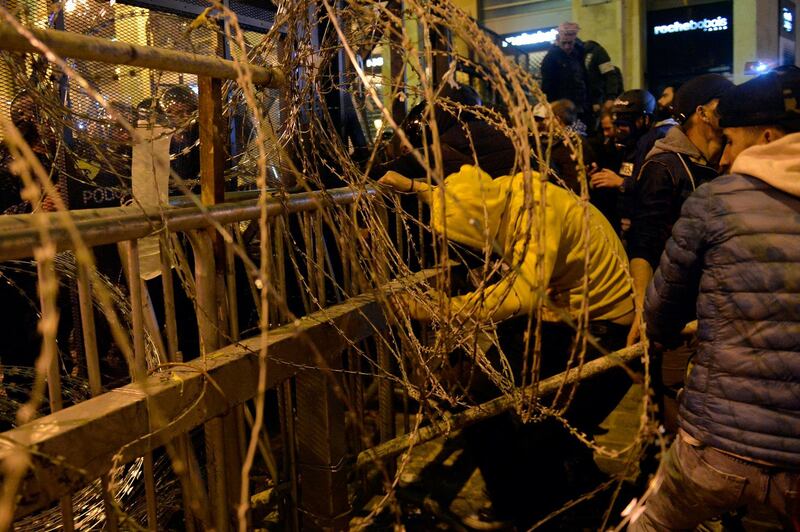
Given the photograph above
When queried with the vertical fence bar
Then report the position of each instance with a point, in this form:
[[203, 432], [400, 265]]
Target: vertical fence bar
[[319, 256], [290, 451], [221, 433], [233, 302], [93, 369], [322, 450], [212, 125], [140, 365], [139, 370], [67, 514], [215, 464], [49, 311], [180, 443], [169, 297], [386, 425], [48, 291], [279, 281], [89, 331], [205, 297], [150, 492], [108, 504], [190, 481]]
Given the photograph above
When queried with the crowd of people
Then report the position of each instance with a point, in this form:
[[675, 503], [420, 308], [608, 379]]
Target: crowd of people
[[697, 194]]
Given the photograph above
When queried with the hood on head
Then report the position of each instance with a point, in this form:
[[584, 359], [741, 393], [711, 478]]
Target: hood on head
[[776, 163], [470, 206], [676, 141]]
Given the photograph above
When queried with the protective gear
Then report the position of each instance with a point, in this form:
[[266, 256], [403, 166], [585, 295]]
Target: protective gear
[[179, 94], [628, 109], [150, 108], [635, 102], [179, 103], [25, 115]]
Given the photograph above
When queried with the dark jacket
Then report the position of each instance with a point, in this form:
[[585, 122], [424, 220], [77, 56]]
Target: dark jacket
[[732, 261], [562, 162], [462, 143], [626, 162], [674, 168], [603, 78], [564, 76]]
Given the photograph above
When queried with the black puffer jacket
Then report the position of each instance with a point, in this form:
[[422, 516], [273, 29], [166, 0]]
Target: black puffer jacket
[[735, 252]]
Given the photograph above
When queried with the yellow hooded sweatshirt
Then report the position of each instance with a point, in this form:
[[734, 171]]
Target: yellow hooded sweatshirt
[[475, 210]]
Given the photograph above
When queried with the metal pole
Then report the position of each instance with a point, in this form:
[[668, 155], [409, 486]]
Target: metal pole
[[115, 224], [76, 46], [495, 406]]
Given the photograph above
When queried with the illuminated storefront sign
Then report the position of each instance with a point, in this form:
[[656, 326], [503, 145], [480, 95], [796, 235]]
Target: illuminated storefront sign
[[787, 20], [687, 41], [715, 24], [786, 43], [532, 38]]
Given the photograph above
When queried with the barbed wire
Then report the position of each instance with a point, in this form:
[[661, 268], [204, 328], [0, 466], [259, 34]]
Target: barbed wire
[[293, 142]]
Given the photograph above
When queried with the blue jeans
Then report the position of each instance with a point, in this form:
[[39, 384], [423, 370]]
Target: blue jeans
[[700, 483]]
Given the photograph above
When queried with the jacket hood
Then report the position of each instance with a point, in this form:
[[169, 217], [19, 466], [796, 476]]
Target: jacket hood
[[776, 163], [470, 206], [676, 141]]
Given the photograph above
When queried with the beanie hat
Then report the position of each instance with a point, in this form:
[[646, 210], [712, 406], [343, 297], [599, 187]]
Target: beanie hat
[[769, 99], [699, 91]]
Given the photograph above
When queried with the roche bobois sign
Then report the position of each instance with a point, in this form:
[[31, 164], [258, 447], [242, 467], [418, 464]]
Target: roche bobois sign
[[687, 41], [706, 24]]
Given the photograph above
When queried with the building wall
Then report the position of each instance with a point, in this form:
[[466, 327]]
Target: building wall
[[522, 16], [616, 24], [619, 25]]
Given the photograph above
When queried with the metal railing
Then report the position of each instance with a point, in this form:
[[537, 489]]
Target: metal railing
[[158, 413], [79, 447], [79, 444]]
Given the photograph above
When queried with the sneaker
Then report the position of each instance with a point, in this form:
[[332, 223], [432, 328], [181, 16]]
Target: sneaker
[[484, 519]]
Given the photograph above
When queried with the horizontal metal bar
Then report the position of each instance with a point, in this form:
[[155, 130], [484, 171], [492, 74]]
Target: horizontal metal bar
[[80, 443], [76, 46], [494, 407], [83, 439], [19, 236]]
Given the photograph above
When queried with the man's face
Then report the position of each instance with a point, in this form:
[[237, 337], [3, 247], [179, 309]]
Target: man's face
[[567, 43], [739, 139], [667, 95], [713, 115], [179, 112], [716, 143], [625, 127], [607, 124]]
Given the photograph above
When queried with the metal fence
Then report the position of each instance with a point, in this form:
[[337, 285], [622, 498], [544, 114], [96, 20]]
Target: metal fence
[[169, 437], [181, 417]]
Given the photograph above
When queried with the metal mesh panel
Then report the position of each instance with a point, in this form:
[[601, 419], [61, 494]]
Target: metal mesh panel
[[128, 89], [535, 63], [248, 9], [244, 133], [93, 154]]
